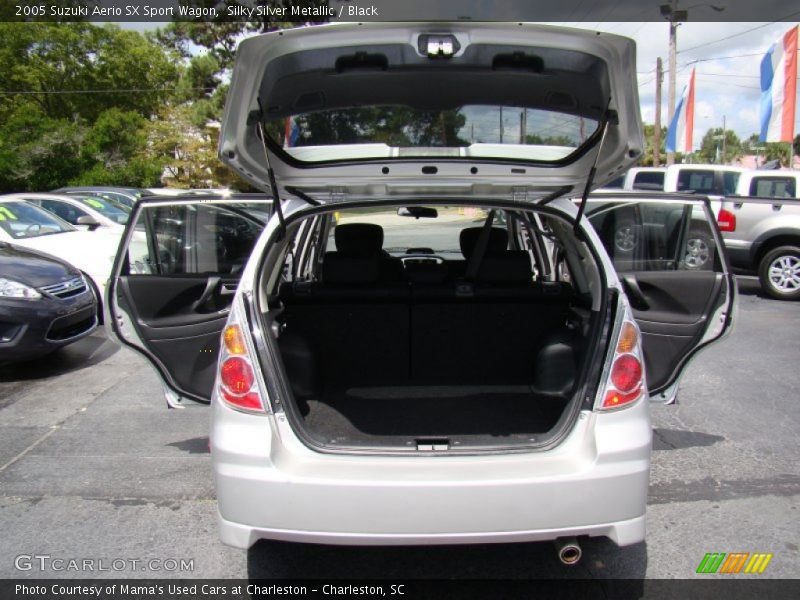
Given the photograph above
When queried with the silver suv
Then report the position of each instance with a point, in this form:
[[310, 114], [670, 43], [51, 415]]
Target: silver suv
[[425, 340]]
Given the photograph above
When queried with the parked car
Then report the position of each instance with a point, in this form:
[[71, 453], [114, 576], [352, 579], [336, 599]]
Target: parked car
[[494, 391], [91, 252], [769, 184], [120, 195], [90, 212], [45, 304], [762, 236]]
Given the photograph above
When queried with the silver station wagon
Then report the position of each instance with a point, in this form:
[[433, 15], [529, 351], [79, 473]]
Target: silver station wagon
[[433, 334]]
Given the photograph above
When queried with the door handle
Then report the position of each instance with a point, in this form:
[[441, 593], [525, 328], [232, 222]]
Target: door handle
[[211, 285], [227, 290], [635, 292]]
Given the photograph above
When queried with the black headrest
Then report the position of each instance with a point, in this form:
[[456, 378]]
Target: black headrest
[[359, 239], [498, 241], [513, 266], [339, 269]]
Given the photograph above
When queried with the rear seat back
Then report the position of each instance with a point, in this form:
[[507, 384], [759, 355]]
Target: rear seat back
[[364, 330]]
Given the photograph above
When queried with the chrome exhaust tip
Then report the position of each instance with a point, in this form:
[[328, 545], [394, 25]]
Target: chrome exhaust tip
[[569, 551]]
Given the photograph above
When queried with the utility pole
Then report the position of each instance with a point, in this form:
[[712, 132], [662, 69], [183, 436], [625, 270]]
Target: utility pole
[[523, 125], [501, 124], [674, 16], [657, 130], [724, 142], [673, 53]]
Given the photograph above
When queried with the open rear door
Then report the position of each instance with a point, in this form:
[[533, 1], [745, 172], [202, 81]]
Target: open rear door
[[669, 256], [175, 275]]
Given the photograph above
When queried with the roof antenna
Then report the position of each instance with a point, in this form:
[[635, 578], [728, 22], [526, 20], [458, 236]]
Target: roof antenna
[[261, 133], [590, 178]]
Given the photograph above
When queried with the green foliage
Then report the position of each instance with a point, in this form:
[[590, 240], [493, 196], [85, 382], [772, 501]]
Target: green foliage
[[768, 151], [87, 104], [711, 146], [647, 159], [70, 65], [69, 119]]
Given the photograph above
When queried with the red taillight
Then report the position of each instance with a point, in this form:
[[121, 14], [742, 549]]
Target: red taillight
[[250, 401], [625, 382], [239, 383], [626, 373], [726, 220], [236, 375], [614, 398], [237, 379]]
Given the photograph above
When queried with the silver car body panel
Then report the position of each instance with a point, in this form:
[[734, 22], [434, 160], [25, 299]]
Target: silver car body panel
[[241, 149]]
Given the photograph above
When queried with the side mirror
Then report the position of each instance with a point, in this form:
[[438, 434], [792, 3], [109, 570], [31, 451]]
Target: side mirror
[[418, 212], [88, 221]]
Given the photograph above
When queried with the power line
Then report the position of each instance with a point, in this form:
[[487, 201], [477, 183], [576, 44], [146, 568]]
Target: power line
[[729, 37], [702, 60]]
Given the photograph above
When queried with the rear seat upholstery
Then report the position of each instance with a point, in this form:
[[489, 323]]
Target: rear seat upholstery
[[365, 330]]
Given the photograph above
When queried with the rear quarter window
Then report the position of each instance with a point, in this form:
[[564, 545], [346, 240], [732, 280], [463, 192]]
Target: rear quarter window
[[696, 180], [773, 187], [648, 181]]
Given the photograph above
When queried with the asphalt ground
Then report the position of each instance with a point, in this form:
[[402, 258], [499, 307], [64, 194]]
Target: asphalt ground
[[93, 466]]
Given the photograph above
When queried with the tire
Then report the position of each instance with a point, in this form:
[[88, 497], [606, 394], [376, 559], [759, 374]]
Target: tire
[[626, 236], [779, 273], [699, 251]]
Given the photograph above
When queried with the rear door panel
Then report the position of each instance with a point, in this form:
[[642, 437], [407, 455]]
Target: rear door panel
[[174, 280], [681, 299]]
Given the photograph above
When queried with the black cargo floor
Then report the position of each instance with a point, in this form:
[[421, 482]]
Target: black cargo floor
[[366, 415]]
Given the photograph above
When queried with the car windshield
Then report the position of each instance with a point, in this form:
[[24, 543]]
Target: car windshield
[[107, 208], [22, 220], [400, 131], [408, 235]]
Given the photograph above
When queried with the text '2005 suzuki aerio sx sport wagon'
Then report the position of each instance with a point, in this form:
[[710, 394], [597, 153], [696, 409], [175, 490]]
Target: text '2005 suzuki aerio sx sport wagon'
[[432, 334]]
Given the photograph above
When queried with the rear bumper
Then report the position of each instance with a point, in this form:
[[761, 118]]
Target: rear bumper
[[270, 486], [623, 533]]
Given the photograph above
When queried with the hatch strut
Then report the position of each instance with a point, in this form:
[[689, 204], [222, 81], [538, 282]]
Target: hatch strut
[[261, 133], [593, 170]]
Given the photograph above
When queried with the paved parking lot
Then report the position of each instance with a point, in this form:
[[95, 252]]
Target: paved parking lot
[[92, 465]]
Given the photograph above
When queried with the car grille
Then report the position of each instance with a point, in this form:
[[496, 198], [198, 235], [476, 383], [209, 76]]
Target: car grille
[[65, 289], [72, 325]]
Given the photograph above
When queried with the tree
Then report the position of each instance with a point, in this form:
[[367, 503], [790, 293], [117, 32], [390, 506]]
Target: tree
[[767, 151], [71, 69], [711, 146], [78, 98], [649, 155], [187, 151]]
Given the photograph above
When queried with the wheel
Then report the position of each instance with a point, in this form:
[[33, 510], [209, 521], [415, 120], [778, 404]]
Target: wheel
[[779, 273], [699, 250], [626, 236]]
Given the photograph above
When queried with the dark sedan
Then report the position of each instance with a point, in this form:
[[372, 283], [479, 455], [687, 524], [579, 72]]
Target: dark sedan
[[45, 303]]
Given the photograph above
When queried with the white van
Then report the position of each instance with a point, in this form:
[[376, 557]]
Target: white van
[[389, 362]]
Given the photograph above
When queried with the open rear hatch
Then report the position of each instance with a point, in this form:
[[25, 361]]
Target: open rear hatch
[[350, 111], [496, 112]]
